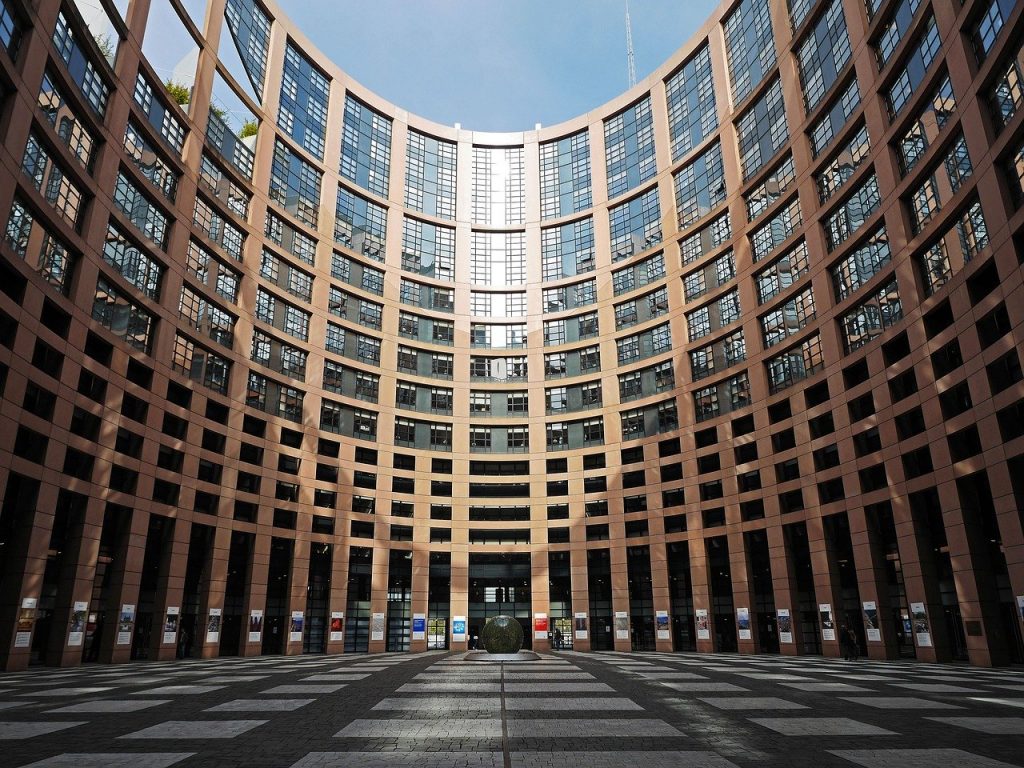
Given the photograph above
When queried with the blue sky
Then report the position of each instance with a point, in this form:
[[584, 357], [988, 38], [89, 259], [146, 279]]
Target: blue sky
[[518, 62]]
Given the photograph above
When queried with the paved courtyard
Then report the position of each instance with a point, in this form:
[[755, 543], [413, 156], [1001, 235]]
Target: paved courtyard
[[602, 709]]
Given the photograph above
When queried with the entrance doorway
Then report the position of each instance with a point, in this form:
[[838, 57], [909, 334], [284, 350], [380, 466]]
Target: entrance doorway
[[499, 585]]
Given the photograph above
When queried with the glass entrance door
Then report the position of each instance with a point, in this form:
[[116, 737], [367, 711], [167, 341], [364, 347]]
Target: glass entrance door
[[499, 585]]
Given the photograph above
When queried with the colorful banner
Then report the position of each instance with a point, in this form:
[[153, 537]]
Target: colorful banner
[[703, 624], [171, 624], [743, 623], [419, 626], [540, 626], [828, 624], [922, 632], [295, 627], [377, 626], [26, 620], [76, 633], [459, 629], [1020, 606], [785, 625], [872, 629], [213, 626], [337, 626], [255, 625], [125, 624], [662, 630], [580, 626], [621, 625]]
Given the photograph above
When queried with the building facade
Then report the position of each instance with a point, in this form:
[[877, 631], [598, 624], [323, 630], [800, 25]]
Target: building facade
[[728, 364]]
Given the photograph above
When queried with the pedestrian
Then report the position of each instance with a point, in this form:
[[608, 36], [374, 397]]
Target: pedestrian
[[844, 642], [854, 646]]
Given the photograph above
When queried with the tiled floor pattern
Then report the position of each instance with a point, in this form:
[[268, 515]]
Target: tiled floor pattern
[[604, 710]]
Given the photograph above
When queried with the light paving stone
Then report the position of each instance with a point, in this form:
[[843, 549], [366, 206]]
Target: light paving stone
[[196, 729], [1003, 726], [59, 692], [333, 677], [401, 760], [936, 688], [1005, 702], [13, 704], [442, 705], [776, 676], [539, 687], [548, 676], [820, 726], [751, 702], [451, 728], [709, 687], [306, 688], [568, 704], [827, 687], [112, 760], [590, 728], [260, 705], [30, 730], [179, 690], [623, 759], [109, 706], [450, 688], [899, 702], [672, 676], [233, 679], [917, 758]]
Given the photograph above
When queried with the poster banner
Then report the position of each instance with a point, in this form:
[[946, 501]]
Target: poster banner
[[295, 627], [872, 629], [459, 629], [213, 626], [922, 632], [419, 626], [26, 620], [662, 631], [377, 626], [540, 626], [785, 625], [171, 624], [125, 624], [77, 632], [621, 625], [743, 623], [703, 624], [337, 626], [255, 625], [580, 626], [1020, 606], [828, 624]]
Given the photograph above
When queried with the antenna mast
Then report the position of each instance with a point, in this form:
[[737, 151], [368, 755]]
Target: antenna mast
[[630, 63]]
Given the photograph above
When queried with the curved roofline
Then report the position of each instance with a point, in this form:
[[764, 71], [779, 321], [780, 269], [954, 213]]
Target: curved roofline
[[497, 138]]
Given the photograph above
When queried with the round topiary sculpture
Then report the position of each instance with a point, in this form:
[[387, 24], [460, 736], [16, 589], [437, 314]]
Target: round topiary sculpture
[[502, 634]]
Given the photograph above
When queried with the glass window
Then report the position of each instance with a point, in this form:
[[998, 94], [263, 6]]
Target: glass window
[[302, 109], [629, 148], [565, 176], [692, 112], [749, 47], [430, 175], [762, 130], [365, 147]]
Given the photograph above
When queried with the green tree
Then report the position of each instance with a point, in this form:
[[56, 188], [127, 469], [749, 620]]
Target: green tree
[[180, 92], [249, 128]]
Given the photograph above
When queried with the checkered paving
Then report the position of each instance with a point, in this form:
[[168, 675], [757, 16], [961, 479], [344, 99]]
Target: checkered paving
[[606, 710]]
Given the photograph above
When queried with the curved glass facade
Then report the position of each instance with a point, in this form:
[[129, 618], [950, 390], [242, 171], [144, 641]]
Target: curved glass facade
[[729, 358]]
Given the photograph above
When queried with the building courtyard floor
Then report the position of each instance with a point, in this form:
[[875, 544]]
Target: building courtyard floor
[[602, 710]]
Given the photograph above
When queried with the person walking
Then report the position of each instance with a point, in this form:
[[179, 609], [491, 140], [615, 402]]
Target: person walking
[[844, 642], [852, 644]]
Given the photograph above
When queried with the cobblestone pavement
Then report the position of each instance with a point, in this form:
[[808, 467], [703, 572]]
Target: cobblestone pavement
[[601, 710]]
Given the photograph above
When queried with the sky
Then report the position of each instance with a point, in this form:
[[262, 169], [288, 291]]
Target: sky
[[496, 65]]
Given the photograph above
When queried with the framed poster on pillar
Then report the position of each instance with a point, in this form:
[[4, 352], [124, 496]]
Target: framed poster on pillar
[[213, 626], [295, 627], [171, 624], [26, 620], [255, 625], [785, 625], [743, 623], [661, 625], [580, 626], [703, 625], [621, 625], [872, 630], [337, 626], [828, 623], [125, 624], [76, 632]]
